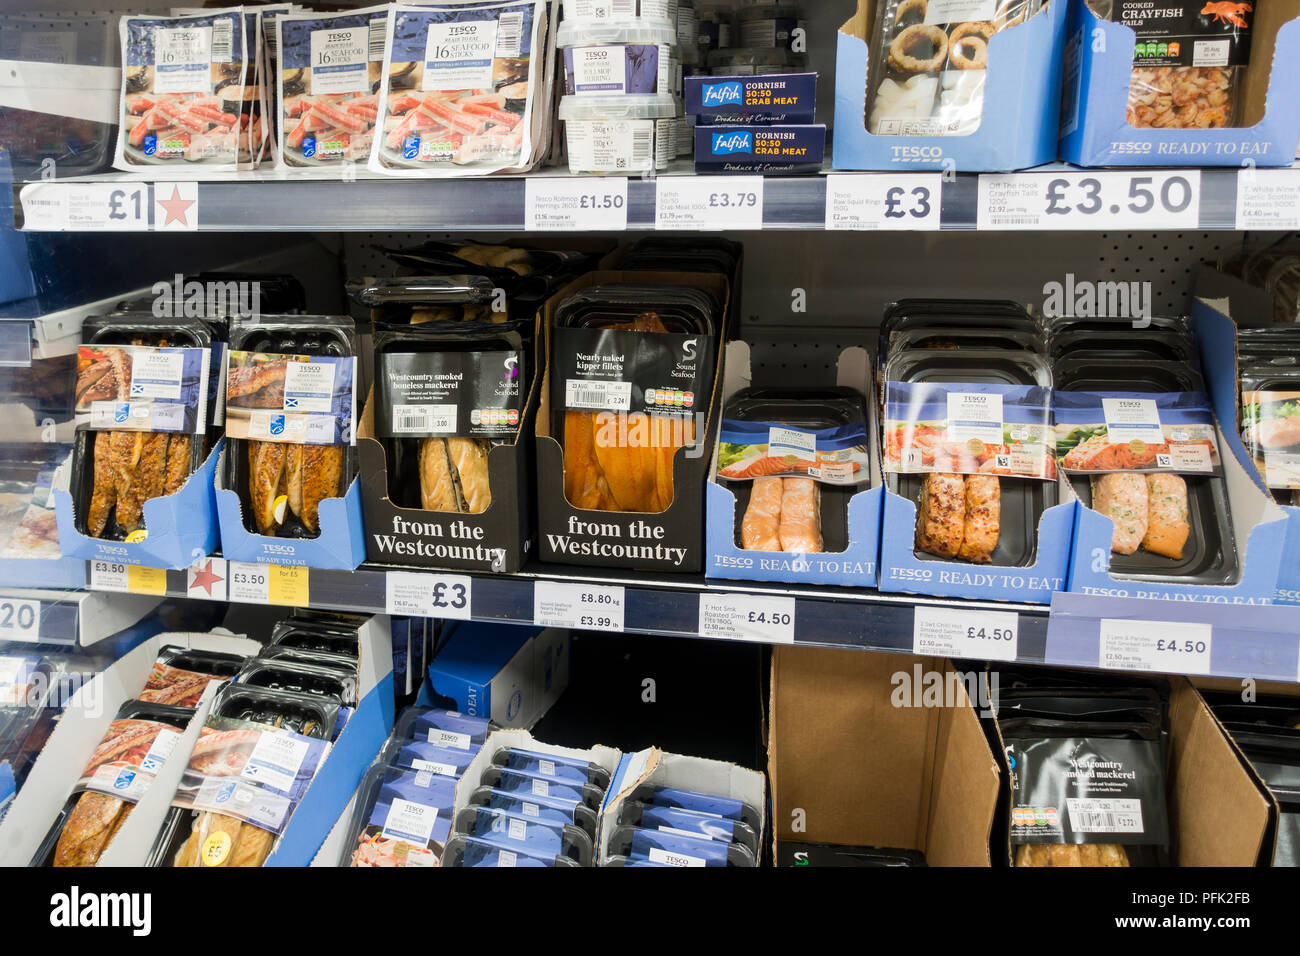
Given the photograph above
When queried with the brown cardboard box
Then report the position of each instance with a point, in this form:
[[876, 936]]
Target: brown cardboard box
[[867, 773]]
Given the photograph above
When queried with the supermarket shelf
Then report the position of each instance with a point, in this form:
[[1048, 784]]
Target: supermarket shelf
[[358, 200], [1247, 641], [68, 618]]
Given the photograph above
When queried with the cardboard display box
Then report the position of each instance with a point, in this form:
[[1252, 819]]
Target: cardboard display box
[[1021, 102], [671, 540], [1098, 71], [855, 565], [848, 767], [1258, 525]]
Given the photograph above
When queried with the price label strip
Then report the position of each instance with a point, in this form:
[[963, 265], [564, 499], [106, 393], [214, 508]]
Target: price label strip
[[950, 632], [20, 620], [709, 202], [127, 578], [874, 202], [592, 607], [747, 617], [86, 207], [575, 205], [416, 594], [1166, 646], [268, 584], [1268, 199], [1145, 199]]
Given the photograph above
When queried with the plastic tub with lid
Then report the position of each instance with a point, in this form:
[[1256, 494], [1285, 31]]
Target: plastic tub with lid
[[619, 134], [629, 56]]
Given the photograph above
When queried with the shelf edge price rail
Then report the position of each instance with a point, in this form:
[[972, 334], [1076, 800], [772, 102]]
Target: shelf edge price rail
[[709, 202], [127, 578], [1142, 199], [883, 202], [421, 594], [254, 583], [958, 632], [747, 617], [591, 204], [86, 207], [1174, 647], [591, 607]]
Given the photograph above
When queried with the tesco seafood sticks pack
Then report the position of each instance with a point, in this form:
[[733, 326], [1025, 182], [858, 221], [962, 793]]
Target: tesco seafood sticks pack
[[457, 94], [189, 91]]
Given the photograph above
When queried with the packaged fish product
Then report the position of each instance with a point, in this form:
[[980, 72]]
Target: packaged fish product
[[459, 87], [604, 10], [317, 680], [560, 768], [676, 849], [515, 832], [179, 675], [674, 819], [471, 851], [618, 134], [928, 68], [422, 755], [543, 809], [402, 818], [444, 728], [1187, 62], [119, 771], [728, 808], [185, 82], [290, 418], [1270, 423], [331, 66], [314, 637], [633, 56], [769, 25], [528, 786]]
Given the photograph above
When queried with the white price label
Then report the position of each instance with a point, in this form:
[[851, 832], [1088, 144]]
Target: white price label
[[747, 617], [593, 204], [949, 632], [1149, 199], [879, 202], [1268, 199], [709, 202], [248, 583], [107, 576], [86, 207], [414, 594], [20, 620], [1171, 647], [593, 607]]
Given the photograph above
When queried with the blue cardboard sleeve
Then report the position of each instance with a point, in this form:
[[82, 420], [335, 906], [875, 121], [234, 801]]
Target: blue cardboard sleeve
[[340, 546], [853, 567], [42, 572], [182, 526], [1259, 525], [757, 148], [770, 98], [1098, 71], [1021, 103]]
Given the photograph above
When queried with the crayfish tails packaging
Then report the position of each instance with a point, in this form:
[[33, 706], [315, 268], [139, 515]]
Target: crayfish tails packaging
[[795, 489], [287, 493], [185, 80], [138, 488], [629, 403], [445, 471]]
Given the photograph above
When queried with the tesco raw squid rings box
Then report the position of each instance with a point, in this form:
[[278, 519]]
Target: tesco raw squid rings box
[[1231, 106], [982, 95], [847, 521]]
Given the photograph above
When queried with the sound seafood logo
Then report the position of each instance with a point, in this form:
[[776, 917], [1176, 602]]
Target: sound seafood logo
[[196, 300], [1098, 300]]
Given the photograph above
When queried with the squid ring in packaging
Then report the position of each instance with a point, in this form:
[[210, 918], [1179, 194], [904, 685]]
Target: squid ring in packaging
[[917, 36], [968, 45], [908, 7]]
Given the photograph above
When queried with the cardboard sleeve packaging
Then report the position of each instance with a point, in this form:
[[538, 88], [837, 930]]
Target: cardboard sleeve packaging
[[852, 745], [675, 534], [340, 546], [1098, 71], [497, 540], [855, 566], [1218, 808], [1259, 526], [182, 526], [1021, 102]]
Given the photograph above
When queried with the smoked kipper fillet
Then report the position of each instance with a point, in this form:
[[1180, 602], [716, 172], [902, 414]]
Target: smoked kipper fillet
[[1167, 524], [103, 489], [801, 523], [941, 514], [759, 528], [1123, 498], [585, 486], [469, 459], [982, 526]]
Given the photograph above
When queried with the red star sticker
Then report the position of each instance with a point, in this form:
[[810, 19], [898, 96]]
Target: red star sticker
[[176, 208], [204, 578]]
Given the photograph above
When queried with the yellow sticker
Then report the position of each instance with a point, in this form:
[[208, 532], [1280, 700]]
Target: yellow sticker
[[215, 848], [287, 585], [146, 580], [139, 534]]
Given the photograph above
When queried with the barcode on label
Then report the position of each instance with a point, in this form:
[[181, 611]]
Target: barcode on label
[[642, 142], [615, 396], [510, 28], [413, 423], [375, 42], [222, 41], [1105, 816]]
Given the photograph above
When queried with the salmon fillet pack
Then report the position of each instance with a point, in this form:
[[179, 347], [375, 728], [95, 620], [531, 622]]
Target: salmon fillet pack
[[189, 91], [459, 89], [1270, 412]]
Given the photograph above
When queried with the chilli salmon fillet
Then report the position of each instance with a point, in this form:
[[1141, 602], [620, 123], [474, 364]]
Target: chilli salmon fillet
[[1123, 498], [1167, 524], [759, 529], [801, 520], [982, 526], [941, 515]]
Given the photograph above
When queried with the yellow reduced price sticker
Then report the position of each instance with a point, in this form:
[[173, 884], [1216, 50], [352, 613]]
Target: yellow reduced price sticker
[[287, 586], [146, 580]]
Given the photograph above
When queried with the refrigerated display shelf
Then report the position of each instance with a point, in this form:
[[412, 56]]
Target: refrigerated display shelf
[[358, 200], [1241, 641], [68, 618]]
